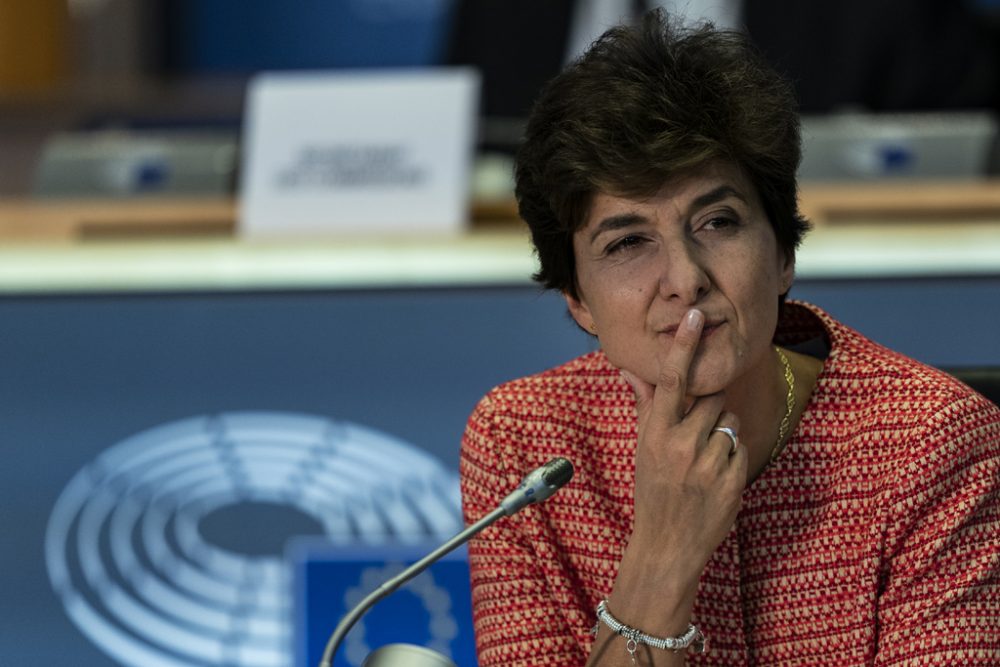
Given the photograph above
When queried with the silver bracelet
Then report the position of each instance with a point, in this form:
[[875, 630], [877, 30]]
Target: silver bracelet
[[692, 638]]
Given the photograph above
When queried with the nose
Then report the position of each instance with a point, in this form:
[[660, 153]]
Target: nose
[[684, 276]]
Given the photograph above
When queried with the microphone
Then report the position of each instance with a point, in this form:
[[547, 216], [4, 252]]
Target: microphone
[[538, 485]]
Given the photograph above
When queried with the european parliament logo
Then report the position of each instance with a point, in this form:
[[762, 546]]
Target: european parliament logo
[[168, 549], [432, 610]]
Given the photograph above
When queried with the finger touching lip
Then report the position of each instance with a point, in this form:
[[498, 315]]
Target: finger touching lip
[[707, 330]]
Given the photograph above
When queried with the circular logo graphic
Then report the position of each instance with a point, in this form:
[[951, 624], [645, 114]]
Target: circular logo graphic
[[435, 600], [163, 550]]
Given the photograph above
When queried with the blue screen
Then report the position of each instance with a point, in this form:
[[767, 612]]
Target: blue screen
[[239, 37]]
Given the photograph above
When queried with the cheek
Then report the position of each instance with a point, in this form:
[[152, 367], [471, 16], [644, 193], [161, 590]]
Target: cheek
[[763, 312], [764, 270], [754, 291], [616, 292]]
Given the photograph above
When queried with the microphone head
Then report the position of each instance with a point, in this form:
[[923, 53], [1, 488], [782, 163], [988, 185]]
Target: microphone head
[[557, 472], [538, 485]]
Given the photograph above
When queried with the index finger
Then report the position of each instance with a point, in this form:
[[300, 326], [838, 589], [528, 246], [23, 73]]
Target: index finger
[[675, 364]]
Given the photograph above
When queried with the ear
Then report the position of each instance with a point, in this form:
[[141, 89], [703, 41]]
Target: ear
[[786, 275], [580, 312]]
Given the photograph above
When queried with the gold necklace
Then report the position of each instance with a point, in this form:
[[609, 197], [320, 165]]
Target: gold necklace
[[789, 403]]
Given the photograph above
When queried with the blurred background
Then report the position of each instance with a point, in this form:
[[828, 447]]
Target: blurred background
[[82, 66], [179, 404]]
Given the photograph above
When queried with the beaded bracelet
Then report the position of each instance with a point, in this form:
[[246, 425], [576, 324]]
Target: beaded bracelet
[[692, 638]]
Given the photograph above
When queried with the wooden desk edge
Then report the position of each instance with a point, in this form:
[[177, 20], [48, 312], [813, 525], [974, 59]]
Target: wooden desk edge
[[822, 203]]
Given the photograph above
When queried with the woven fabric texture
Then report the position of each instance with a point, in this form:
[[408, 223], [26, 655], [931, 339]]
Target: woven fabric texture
[[874, 539]]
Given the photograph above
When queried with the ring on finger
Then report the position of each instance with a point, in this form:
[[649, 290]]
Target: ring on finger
[[732, 437]]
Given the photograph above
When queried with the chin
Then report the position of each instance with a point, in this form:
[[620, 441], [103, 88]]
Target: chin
[[707, 388], [708, 378]]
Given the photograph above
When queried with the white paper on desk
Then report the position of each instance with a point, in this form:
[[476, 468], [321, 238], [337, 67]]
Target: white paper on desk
[[369, 151]]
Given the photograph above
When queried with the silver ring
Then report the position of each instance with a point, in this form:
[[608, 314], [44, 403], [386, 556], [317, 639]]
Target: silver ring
[[732, 436]]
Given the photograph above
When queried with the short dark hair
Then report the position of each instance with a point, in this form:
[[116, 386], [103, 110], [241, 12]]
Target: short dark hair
[[644, 103]]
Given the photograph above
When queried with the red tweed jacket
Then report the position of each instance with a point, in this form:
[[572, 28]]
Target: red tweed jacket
[[874, 539]]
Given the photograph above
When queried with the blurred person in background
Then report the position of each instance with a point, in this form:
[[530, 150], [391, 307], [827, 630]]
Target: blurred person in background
[[868, 55]]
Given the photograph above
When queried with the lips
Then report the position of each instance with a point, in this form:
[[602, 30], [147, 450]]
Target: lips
[[709, 328]]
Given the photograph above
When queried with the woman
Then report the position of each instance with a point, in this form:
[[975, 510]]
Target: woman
[[748, 471]]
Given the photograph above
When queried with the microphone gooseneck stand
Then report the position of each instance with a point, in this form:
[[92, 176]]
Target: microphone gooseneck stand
[[388, 587], [536, 487]]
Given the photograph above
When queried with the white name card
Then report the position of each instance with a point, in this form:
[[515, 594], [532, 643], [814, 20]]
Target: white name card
[[362, 152]]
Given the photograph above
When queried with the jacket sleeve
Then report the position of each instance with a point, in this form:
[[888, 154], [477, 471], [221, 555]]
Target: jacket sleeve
[[940, 599], [517, 619]]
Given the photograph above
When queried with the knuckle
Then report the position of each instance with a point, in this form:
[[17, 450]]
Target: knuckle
[[670, 379]]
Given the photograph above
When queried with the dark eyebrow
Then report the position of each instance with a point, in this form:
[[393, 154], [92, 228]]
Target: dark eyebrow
[[717, 195], [615, 222]]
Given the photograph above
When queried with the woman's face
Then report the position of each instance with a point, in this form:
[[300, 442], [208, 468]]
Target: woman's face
[[703, 241]]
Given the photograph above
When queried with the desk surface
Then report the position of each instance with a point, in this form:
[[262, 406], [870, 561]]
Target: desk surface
[[899, 230], [475, 259]]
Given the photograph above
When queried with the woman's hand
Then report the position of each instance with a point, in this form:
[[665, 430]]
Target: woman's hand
[[688, 486]]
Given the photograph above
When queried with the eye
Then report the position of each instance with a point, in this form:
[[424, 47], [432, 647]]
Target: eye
[[624, 243], [721, 223]]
